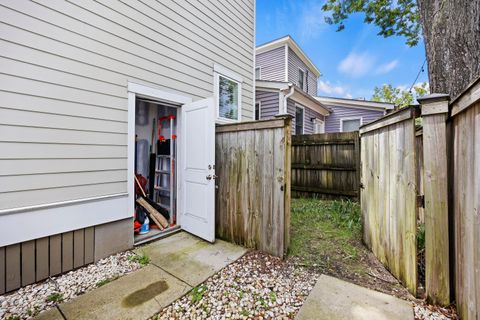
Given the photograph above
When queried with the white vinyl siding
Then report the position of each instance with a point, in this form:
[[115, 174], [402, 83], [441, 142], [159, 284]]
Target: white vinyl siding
[[63, 85]]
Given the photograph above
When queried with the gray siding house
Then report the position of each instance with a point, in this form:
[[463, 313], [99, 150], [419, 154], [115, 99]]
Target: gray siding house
[[79, 82], [350, 114], [286, 83]]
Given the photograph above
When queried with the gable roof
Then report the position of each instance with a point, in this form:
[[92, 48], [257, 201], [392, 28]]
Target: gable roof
[[355, 103], [287, 40]]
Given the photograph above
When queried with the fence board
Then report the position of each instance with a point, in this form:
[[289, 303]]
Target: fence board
[[325, 165], [252, 202], [388, 197], [466, 203]]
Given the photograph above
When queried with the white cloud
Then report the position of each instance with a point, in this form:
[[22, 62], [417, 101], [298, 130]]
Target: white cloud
[[311, 21], [356, 64], [387, 67], [328, 88]]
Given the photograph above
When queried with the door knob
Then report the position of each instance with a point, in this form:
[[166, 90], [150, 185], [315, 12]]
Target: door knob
[[209, 177]]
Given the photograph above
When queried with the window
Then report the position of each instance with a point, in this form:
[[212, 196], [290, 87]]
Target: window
[[318, 126], [299, 112], [257, 111], [227, 89], [301, 79], [352, 124], [258, 73]]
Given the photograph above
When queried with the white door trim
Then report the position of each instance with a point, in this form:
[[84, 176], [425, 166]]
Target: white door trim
[[134, 90]]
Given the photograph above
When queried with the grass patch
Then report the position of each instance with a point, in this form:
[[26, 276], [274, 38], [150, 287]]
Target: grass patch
[[142, 259], [197, 293], [55, 297], [327, 234]]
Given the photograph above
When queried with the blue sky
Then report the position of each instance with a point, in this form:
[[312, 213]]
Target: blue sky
[[352, 61]]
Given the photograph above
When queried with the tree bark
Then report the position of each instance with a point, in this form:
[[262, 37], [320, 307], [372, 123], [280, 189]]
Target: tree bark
[[451, 30]]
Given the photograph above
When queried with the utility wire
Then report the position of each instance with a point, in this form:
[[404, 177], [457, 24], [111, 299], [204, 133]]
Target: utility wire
[[418, 75]]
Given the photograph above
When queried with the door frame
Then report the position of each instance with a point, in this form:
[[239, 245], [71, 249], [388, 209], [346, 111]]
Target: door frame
[[138, 90]]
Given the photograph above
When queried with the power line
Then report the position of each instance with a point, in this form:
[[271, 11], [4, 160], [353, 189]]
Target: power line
[[418, 75]]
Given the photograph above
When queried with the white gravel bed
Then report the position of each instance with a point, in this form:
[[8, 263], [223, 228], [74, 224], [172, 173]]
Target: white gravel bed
[[28, 301], [257, 286], [426, 312]]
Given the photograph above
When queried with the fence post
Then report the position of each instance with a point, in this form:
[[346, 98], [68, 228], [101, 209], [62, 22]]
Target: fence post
[[435, 185]]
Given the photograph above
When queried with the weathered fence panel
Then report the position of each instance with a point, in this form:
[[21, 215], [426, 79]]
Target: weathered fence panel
[[465, 176], [326, 165], [389, 193], [253, 194]]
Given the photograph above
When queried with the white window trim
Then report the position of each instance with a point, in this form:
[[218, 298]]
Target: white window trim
[[259, 73], [259, 109], [303, 123], [350, 118], [219, 70], [303, 87], [318, 121]]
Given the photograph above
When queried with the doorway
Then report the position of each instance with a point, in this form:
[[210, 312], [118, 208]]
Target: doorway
[[171, 156]]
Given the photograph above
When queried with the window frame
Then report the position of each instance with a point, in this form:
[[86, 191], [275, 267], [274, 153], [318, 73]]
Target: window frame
[[301, 71], [259, 110], [259, 73], [303, 118], [318, 121], [350, 118], [221, 71]]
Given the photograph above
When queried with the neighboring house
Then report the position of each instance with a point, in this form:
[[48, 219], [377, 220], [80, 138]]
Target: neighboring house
[[286, 83], [79, 81], [350, 114]]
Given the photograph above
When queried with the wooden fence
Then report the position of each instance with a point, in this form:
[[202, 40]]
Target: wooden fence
[[326, 165], [389, 193], [464, 178], [253, 195]]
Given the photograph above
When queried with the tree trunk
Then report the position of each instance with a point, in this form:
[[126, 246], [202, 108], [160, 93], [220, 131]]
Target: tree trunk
[[451, 30]]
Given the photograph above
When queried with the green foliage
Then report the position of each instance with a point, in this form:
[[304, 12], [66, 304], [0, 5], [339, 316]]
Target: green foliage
[[399, 97], [393, 17], [55, 297], [197, 293], [142, 259]]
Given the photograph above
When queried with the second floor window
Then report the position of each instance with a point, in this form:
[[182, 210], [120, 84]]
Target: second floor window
[[301, 79]]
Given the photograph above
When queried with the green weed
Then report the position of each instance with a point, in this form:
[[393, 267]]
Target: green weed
[[198, 293], [55, 297], [142, 259]]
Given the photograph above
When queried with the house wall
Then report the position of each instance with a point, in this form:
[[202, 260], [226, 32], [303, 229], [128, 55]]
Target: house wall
[[332, 122], [269, 102], [64, 100], [308, 125], [294, 63], [272, 64]]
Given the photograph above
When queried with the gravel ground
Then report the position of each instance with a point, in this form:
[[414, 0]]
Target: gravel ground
[[28, 301], [428, 312], [257, 286]]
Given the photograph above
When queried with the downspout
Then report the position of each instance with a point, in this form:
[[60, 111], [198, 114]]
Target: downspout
[[285, 97]]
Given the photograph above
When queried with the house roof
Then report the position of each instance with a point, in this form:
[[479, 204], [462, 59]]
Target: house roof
[[299, 95], [356, 103], [287, 40]]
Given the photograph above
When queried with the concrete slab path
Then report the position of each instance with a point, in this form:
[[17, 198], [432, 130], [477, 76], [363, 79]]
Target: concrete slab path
[[332, 298], [177, 264]]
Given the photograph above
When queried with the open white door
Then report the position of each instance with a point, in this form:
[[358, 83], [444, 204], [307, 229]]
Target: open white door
[[197, 169]]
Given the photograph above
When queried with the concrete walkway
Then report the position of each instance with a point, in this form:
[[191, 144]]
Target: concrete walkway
[[332, 298], [177, 264]]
